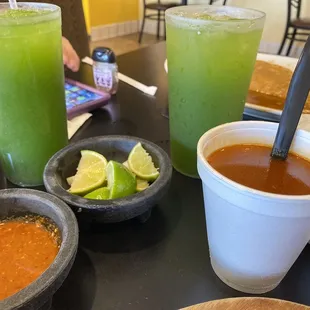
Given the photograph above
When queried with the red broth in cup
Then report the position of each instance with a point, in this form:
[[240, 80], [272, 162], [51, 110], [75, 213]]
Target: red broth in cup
[[252, 166]]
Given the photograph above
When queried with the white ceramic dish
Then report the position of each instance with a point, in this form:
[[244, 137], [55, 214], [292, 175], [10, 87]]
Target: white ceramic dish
[[256, 110]]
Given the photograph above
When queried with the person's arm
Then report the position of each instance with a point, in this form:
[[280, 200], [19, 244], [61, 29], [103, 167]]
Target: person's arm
[[70, 57]]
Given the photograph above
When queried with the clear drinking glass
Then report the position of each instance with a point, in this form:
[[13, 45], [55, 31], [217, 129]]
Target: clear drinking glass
[[33, 123], [211, 54]]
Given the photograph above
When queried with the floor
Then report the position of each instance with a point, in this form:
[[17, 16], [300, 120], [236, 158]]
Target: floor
[[125, 44]]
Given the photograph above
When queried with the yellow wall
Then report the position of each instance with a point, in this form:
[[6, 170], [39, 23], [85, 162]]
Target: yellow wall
[[103, 12], [86, 13]]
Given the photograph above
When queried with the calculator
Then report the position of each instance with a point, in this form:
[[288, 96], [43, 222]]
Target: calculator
[[81, 98]]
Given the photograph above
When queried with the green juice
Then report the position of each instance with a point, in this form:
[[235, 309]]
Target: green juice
[[210, 62], [33, 123]]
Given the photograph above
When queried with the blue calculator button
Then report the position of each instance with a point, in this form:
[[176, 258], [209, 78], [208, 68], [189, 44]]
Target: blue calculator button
[[75, 88], [70, 106]]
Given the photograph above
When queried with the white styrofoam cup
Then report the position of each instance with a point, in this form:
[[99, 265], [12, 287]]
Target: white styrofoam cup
[[254, 237]]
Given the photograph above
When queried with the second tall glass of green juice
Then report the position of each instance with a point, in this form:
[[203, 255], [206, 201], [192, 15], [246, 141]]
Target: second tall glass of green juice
[[211, 53], [33, 123]]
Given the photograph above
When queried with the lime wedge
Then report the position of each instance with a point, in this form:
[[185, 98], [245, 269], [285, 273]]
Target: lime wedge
[[141, 164], [90, 173], [121, 181], [102, 193], [70, 180], [142, 185], [90, 158]]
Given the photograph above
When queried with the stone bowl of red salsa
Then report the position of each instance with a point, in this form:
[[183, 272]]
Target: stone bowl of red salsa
[[22, 211]]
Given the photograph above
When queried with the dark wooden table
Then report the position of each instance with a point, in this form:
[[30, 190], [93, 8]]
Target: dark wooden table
[[163, 263]]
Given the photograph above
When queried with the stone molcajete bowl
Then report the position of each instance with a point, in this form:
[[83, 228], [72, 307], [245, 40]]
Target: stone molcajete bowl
[[64, 163], [38, 295]]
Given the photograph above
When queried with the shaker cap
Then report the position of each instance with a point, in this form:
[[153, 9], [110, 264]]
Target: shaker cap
[[103, 54]]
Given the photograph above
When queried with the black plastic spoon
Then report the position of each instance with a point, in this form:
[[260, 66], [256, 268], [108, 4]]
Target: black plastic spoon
[[294, 104]]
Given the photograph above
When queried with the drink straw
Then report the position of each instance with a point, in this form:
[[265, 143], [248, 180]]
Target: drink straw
[[13, 4]]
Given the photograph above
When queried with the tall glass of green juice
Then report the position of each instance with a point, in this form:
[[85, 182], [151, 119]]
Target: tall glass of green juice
[[211, 53], [33, 123]]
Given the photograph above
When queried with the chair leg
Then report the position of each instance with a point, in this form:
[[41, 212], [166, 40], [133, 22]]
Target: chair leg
[[284, 40], [165, 36], [142, 29], [158, 24], [291, 43]]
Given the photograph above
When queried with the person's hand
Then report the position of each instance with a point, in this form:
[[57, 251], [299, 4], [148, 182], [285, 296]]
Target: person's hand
[[70, 57]]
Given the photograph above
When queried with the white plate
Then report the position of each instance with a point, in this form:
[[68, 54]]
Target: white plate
[[256, 110], [264, 112]]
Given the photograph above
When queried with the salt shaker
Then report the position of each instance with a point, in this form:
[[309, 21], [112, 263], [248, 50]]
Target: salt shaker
[[105, 69]]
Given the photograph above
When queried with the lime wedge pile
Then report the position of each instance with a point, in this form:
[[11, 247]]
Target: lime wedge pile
[[101, 193], [91, 173], [141, 164], [141, 184], [123, 180]]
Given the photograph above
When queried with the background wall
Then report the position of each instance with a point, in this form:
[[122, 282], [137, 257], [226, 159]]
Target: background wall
[[86, 13], [103, 12], [275, 10], [110, 18], [276, 13]]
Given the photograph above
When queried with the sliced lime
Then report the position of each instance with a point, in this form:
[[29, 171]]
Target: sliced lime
[[126, 164], [142, 185], [90, 173], [121, 181], [90, 158], [70, 180], [102, 193], [141, 164]]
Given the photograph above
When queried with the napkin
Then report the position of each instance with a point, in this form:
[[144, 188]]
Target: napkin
[[75, 123], [149, 90]]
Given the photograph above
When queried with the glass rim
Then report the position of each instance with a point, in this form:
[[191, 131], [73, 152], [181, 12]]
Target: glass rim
[[170, 13], [49, 9]]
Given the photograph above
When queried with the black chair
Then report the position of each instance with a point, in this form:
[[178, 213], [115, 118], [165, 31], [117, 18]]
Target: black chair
[[212, 1], [159, 16], [297, 28]]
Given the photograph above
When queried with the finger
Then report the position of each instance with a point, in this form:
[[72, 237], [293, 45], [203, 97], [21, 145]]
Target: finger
[[65, 58], [73, 63]]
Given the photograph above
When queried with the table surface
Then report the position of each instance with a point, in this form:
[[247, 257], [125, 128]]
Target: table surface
[[163, 263]]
